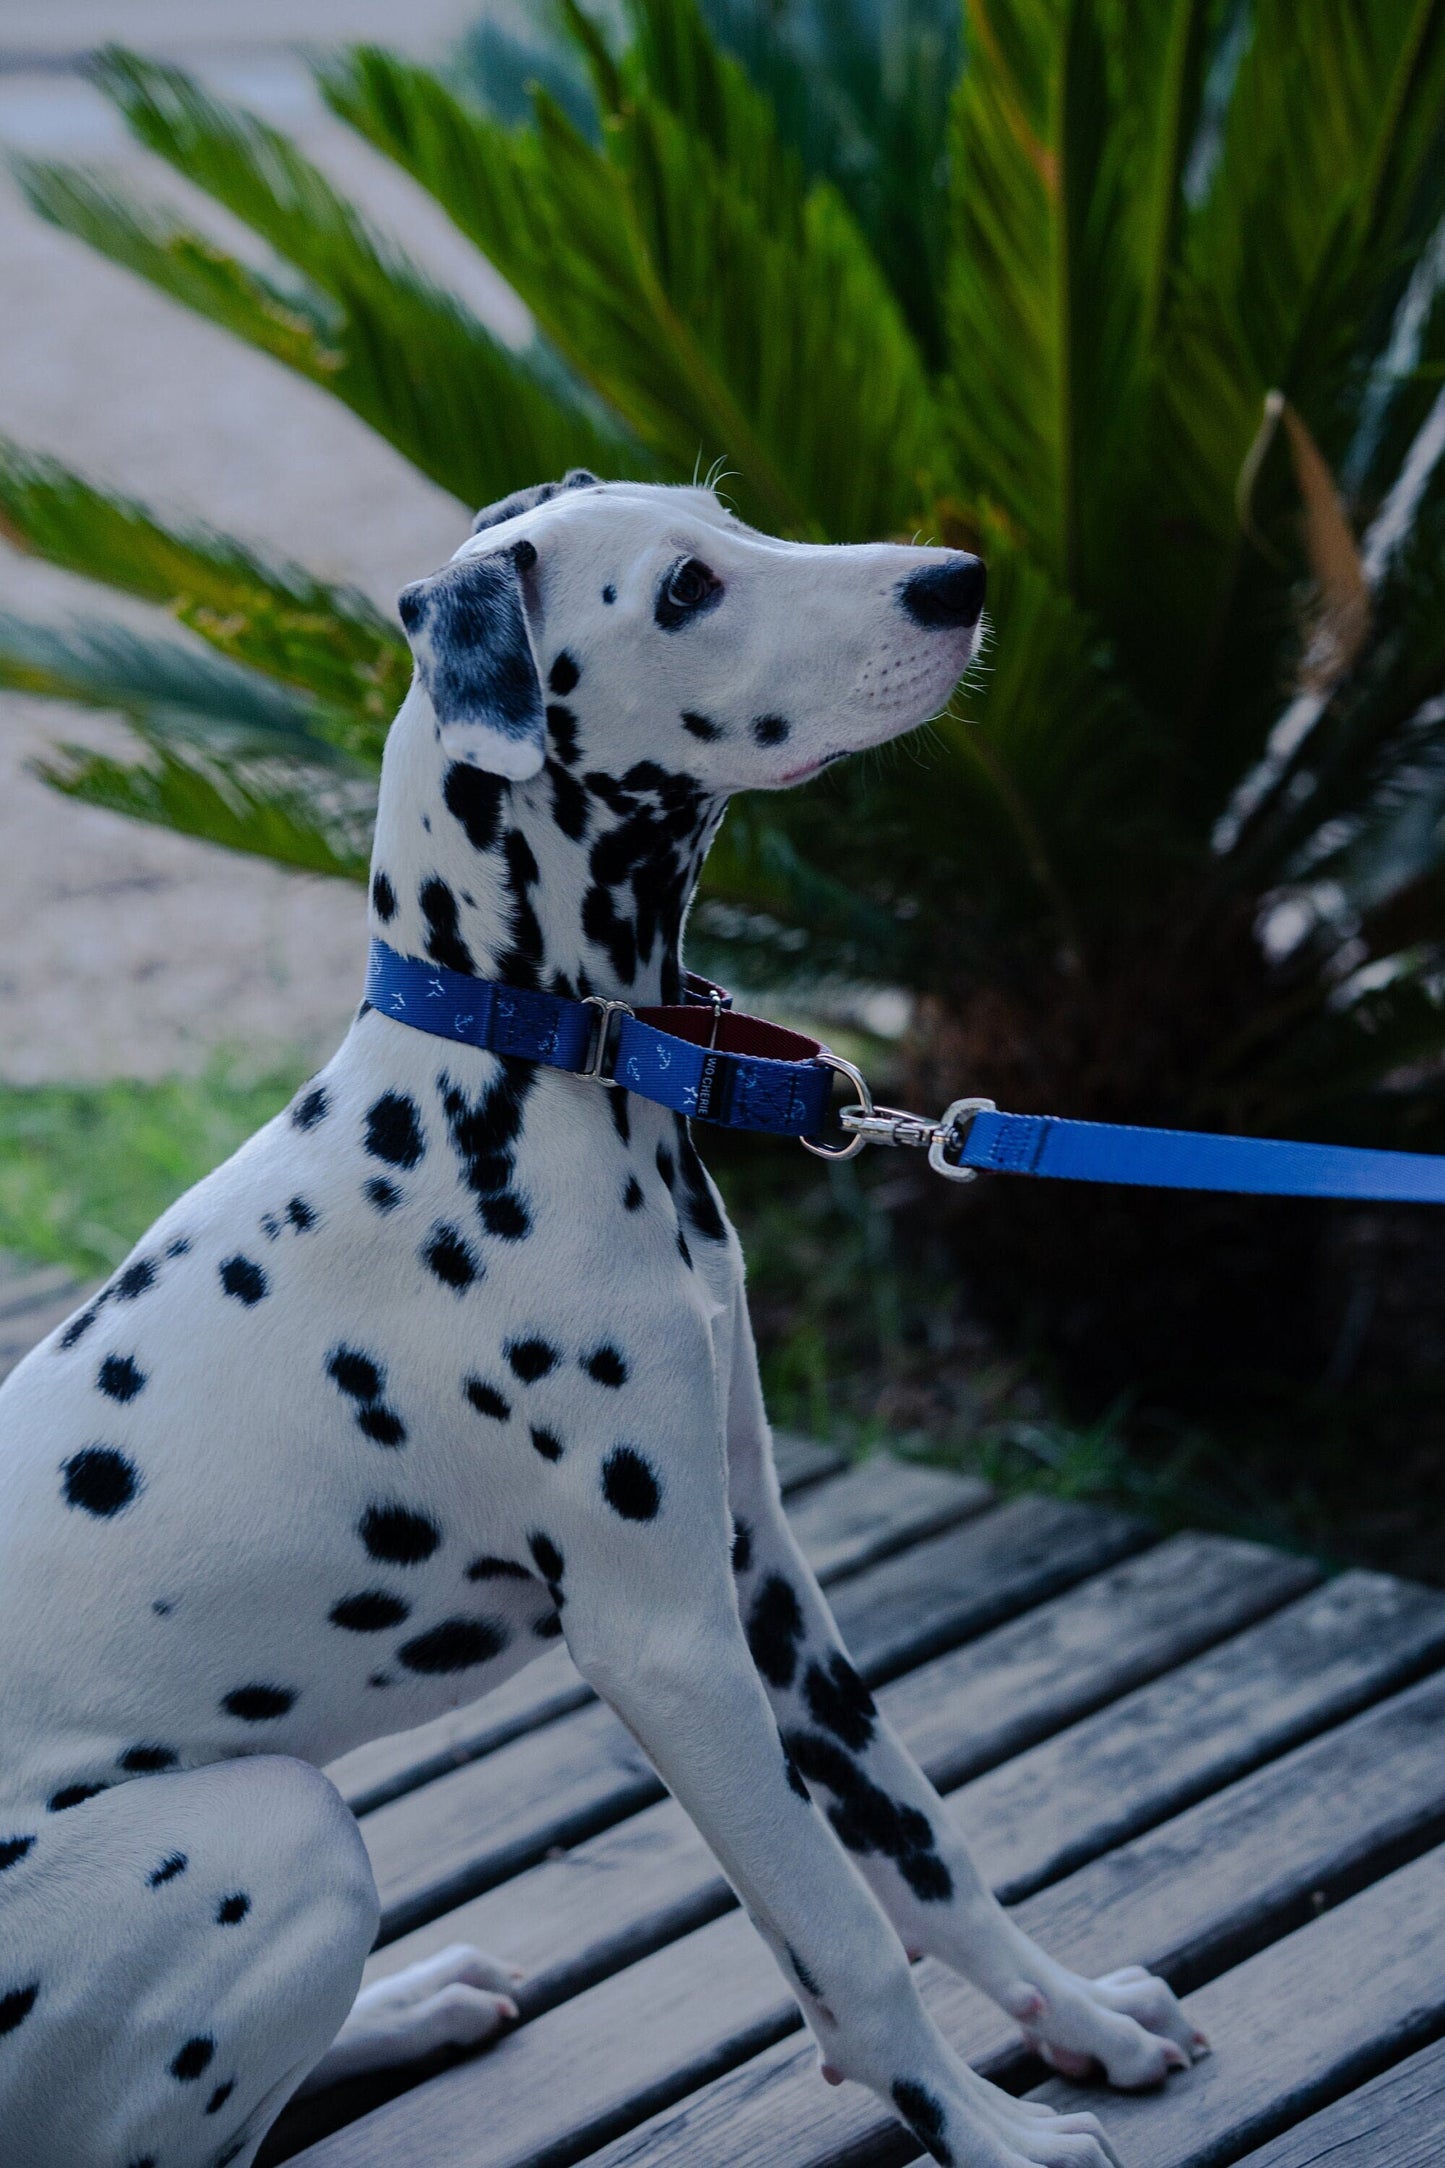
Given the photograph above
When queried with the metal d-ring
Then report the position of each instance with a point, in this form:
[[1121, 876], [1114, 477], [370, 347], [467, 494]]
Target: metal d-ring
[[855, 1078], [953, 1130]]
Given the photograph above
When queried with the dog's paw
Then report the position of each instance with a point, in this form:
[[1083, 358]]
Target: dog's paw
[[457, 1999], [1129, 2024]]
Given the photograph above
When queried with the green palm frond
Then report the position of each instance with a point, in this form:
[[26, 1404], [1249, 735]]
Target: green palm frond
[[686, 269], [329, 642], [343, 308], [267, 808]]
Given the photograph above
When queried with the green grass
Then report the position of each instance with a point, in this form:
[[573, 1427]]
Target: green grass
[[85, 1168]]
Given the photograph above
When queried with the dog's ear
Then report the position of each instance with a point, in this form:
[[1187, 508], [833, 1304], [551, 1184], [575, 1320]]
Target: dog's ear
[[527, 500], [468, 632]]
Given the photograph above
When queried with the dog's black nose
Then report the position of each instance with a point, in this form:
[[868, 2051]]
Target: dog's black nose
[[950, 594]]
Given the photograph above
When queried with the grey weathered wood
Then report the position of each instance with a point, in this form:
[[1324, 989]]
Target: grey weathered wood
[[612, 1899], [843, 1522], [801, 1461], [1380, 1774], [879, 1507], [33, 1302], [1310, 2015], [1309, 1666], [473, 1826], [627, 2043], [1396, 2121]]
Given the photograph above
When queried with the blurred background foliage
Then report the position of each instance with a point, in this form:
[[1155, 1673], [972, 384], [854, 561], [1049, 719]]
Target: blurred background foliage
[[1143, 299]]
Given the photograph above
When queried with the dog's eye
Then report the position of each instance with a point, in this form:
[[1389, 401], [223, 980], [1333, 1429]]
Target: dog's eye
[[690, 586]]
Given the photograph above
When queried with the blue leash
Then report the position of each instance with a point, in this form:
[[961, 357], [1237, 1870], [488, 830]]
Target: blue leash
[[702, 1059]]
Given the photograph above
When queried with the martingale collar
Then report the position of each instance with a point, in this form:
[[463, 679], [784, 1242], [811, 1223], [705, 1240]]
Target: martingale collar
[[696, 1057]]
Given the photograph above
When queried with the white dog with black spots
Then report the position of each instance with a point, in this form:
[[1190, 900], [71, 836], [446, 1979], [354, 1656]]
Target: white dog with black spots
[[451, 1359]]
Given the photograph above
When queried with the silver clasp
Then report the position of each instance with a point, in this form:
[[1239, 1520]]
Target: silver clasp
[[602, 1053], [891, 1125]]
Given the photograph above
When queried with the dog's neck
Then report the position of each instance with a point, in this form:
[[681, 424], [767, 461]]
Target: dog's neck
[[577, 881]]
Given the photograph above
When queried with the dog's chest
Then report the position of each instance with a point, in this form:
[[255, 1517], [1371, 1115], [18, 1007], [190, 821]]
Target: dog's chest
[[274, 1490]]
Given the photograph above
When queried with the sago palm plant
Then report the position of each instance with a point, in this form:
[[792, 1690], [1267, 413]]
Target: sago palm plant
[[1138, 297]]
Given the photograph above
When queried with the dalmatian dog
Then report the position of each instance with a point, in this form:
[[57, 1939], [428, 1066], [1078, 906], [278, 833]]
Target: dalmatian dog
[[453, 1359]]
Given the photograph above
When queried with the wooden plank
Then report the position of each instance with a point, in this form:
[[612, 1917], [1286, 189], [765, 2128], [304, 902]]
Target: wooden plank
[[628, 2043], [474, 1826], [1263, 1846], [570, 1921], [801, 1461], [1396, 2121], [843, 1523], [1311, 2015], [32, 1303]]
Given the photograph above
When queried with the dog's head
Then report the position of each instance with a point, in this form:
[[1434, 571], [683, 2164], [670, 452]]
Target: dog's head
[[691, 639]]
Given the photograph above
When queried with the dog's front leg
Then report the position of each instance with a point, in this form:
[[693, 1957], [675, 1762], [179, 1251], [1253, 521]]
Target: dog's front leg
[[887, 1813], [637, 1551]]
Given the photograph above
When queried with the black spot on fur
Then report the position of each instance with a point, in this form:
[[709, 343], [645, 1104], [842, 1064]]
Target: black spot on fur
[[13, 1849], [665, 1165], [682, 1249], [924, 2115], [506, 1216], [548, 1628], [839, 1701], [175, 1863], [548, 1557], [79, 1325], [145, 1760], [775, 1627], [867, 1820], [444, 943], [259, 1704], [630, 1485], [181, 1247], [100, 1481], [546, 1442], [700, 727], [356, 1374], [383, 898], [609, 593], [486, 1399], [162, 1607], [770, 729], [562, 724], [382, 1195], [369, 1613], [606, 1365], [73, 1795], [311, 1109], [301, 1215], [382, 1425], [393, 1131], [190, 2060], [121, 1377], [475, 799], [619, 1106], [220, 2096], [450, 1257], [570, 805], [531, 1359], [398, 1536], [455, 1645], [16, 2005], [742, 1546], [632, 1194], [795, 1779], [806, 1979], [135, 1280], [245, 1280], [564, 674], [497, 1569], [700, 1202], [233, 1909]]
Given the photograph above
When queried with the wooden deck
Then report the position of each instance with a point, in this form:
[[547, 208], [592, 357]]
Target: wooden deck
[[1191, 1752]]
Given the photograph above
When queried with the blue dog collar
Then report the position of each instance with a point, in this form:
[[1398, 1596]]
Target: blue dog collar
[[697, 1057]]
